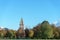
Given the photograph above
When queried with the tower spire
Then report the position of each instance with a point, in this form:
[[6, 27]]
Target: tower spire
[[22, 24], [21, 31]]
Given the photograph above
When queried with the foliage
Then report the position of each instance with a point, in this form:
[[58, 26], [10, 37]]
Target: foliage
[[41, 31], [47, 31], [27, 33], [31, 33]]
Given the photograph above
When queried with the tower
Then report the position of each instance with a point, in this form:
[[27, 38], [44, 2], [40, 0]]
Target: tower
[[21, 31], [21, 24]]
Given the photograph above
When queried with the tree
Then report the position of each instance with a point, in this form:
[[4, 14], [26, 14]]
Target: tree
[[8, 34], [1, 35], [37, 32], [55, 31], [47, 31], [31, 33], [27, 32], [13, 33]]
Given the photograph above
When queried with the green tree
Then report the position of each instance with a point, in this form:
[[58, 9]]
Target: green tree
[[13, 33], [31, 33], [37, 32], [2, 33], [27, 33], [8, 34], [47, 31]]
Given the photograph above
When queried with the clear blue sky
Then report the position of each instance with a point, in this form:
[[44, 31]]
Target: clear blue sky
[[32, 12]]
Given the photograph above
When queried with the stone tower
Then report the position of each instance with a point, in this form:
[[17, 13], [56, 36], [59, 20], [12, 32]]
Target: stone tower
[[21, 24], [21, 32]]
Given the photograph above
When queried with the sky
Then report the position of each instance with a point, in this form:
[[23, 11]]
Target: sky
[[33, 12]]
